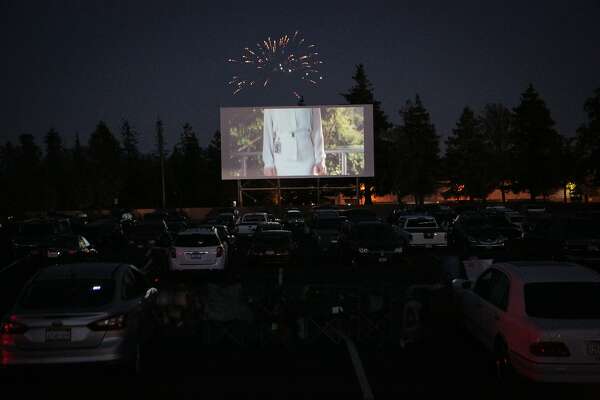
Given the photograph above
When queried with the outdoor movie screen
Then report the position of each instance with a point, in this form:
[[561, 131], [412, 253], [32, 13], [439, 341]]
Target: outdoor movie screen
[[297, 142]]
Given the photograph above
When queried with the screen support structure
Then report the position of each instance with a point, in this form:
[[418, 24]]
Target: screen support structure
[[277, 188]]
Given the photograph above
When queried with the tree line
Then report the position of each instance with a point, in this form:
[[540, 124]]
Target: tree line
[[496, 148], [109, 171]]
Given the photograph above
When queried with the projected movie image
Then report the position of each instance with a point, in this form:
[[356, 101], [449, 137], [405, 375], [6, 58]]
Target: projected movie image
[[321, 141]]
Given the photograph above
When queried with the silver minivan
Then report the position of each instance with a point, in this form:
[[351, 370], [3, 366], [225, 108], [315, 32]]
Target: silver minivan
[[80, 313]]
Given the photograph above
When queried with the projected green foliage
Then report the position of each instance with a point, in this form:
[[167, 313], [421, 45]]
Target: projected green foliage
[[342, 127]]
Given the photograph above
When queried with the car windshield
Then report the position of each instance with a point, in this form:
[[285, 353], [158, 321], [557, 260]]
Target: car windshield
[[37, 229], [376, 233], [67, 294], [583, 229], [64, 241], [421, 223], [563, 300], [197, 240], [278, 240], [333, 223], [146, 229], [254, 218]]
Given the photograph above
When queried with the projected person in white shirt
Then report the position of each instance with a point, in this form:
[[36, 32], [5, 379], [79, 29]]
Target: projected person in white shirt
[[293, 142]]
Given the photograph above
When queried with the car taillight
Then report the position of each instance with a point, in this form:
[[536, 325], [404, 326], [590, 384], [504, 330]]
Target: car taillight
[[12, 327], [219, 251], [173, 252], [109, 324], [549, 349]]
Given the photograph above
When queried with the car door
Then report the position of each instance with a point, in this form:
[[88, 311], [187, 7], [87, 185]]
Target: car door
[[133, 295], [494, 308], [473, 304]]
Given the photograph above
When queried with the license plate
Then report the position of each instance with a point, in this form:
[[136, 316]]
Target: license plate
[[195, 256], [53, 254], [269, 252], [428, 236], [383, 259], [62, 335], [593, 349]]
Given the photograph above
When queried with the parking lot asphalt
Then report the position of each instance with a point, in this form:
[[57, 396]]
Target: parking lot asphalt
[[180, 362]]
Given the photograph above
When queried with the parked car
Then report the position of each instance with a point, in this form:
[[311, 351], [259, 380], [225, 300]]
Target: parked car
[[326, 234], [248, 223], [104, 232], [502, 224], [149, 234], [572, 239], [422, 231], [80, 313], [473, 232], [69, 248], [272, 247], [371, 243], [540, 320], [32, 234], [198, 249]]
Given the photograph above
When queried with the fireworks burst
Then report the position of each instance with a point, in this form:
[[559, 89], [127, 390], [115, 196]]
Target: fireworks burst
[[287, 56]]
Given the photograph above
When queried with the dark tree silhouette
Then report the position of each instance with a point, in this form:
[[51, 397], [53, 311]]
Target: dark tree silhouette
[[587, 146], [535, 146], [417, 161], [55, 183], [468, 156], [362, 93], [496, 123], [105, 155]]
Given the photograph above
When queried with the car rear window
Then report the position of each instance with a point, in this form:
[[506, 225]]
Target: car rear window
[[254, 218], [376, 232], [421, 223], [67, 294], [273, 240], [563, 300], [197, 240]]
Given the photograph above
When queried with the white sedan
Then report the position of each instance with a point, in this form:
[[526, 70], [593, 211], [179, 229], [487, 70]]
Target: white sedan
[[540, 319]]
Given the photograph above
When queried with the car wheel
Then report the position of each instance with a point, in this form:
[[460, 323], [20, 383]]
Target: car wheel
[[505, 374]]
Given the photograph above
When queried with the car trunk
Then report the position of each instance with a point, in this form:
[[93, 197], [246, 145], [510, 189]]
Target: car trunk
[[196, 255], [581, 336], [55, 331]]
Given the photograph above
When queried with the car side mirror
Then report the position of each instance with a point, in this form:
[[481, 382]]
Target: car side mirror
[[151, 293], [461, 284]]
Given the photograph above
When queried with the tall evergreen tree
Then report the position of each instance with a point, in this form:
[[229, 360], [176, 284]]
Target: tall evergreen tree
[[129, 138], [362, 93], [105, 155], [54, 183], [535, 146], [28, 181], [160, 147], [416, 146], [467, 157], [587, 146], [496, 123]]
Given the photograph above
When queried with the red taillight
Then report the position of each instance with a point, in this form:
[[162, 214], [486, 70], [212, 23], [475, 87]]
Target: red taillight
[[109, 324], [549, 349], [12, 327], [219, 251]]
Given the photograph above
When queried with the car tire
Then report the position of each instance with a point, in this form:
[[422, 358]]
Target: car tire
[[506, 376]]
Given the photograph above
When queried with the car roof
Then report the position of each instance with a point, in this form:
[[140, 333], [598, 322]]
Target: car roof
[[80, 271], [197, 231], [549, 271], [275, 232]]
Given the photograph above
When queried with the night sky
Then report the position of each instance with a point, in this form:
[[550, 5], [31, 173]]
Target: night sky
[[69, 64]]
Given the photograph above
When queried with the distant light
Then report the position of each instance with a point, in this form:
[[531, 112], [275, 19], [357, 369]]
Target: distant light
[[96, 288]]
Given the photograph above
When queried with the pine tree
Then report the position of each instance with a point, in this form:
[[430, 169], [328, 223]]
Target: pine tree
[[468, 156], [496, 123], [587, 146], [417, 160], [130, 142], [535, 146], [362, 93]]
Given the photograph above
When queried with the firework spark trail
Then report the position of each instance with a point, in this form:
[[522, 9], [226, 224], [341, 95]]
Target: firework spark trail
[[287, 56]]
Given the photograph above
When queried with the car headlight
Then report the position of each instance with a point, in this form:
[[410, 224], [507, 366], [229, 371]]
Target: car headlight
[[363, 250]]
